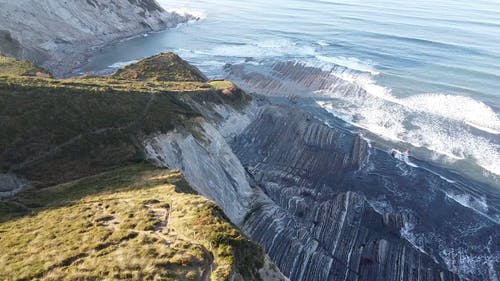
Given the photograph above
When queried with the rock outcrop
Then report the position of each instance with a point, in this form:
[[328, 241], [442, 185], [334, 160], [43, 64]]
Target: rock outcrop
[[58, 35], [334, 232], [325, 203], [302, 163], [296, 204], [10, 185]]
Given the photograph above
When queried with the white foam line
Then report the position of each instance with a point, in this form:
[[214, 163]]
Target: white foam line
[[184, 11], [485, 129], [467, 200], [403, 156], [122, 63]]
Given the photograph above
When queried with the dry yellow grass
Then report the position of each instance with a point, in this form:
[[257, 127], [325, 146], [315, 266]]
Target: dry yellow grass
[[221, 84], [137, 222]]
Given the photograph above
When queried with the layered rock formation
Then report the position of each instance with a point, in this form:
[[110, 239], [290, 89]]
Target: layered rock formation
[[58, 35], [323, 202], [300, 163], [308, 221]]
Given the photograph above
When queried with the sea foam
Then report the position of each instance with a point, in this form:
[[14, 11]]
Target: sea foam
[[443, 123]]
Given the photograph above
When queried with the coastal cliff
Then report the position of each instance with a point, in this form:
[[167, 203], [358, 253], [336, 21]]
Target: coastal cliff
[[321, 201], [74, 174], [59, 35]]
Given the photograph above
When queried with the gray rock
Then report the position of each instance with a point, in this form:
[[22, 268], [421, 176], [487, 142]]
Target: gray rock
[[58, 35], [10, 185]]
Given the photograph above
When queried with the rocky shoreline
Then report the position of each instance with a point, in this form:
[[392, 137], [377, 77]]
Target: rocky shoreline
[[63, 35]]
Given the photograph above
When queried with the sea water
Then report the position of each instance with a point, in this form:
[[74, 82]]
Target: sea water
[[430, 70]]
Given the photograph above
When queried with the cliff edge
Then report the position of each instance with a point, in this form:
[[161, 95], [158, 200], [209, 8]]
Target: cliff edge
[[73, 174]]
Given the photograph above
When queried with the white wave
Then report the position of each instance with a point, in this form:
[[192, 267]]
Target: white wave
[[466, 200], [484, 129], [122, 63], [185, 11], [443, 178], [263, 49], [460, 108], [351, 63], [322, 43], [438, 122], [407, 233], [461, 261], [403, 156]]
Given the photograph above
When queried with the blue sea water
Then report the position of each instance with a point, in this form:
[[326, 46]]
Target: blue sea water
[[431, 69]]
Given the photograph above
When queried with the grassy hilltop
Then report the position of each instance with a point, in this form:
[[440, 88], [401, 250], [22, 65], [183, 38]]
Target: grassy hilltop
[[79, 126], [94, 210]]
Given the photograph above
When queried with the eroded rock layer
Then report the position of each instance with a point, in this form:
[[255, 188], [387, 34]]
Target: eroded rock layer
[[317, 229], [300, 162]]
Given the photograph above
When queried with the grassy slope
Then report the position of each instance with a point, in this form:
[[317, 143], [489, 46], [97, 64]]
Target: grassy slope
[[163, 67], [80, 126], [10, 66], [133, 222]]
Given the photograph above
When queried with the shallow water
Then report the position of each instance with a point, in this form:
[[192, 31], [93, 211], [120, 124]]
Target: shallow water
[[427, 71]]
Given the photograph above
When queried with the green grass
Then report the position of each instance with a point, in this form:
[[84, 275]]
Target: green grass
[[91, 214], [130, 223], [221, 84], [112, 225], [13, 67], [78, 130], [162, 67], [80, 126]]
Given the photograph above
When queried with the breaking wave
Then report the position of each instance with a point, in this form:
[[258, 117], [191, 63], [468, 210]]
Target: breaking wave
[[350, 62], [263, 49], [121, 64], [184, 11], [451, 127], [458, 127]]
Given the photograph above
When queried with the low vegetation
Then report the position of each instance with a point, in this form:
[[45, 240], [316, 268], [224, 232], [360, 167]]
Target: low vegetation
[[80, 126], [138, 222], [221, 84], [13, 67], [94, 210], [162, 67]]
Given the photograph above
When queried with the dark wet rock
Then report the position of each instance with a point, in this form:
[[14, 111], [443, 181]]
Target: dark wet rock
[[318, 228]]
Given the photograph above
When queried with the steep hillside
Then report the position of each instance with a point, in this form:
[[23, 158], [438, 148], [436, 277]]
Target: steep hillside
[[77, 127], [303, 190], [77, 199], [168, 67], [146, 216], [63, 32]]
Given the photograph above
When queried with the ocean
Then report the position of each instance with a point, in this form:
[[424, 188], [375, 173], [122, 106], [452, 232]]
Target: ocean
[[427, 73]]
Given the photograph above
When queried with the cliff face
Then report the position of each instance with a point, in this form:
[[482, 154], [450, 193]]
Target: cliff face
[[295, 202], [59, 34], [322, 201], [334, 232]]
